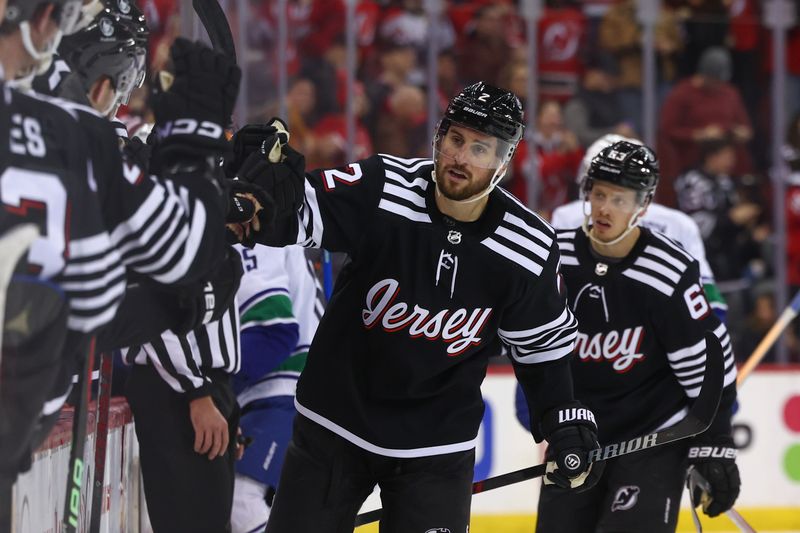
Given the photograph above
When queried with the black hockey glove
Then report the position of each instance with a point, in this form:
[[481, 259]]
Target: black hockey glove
[[571, 433], [250, 209], [193, 108], [715, 461], [207, 301], [262, 157]]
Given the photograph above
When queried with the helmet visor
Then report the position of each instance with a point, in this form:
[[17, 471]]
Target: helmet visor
[[459, 144]]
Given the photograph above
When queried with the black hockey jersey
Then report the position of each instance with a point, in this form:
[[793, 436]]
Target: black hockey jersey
[[640, 351], [45, 178], [170, 230], [425, 300]]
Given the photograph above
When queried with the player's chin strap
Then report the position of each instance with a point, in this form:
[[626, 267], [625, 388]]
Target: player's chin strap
[[695, 480], [498, 176], [632, 223]]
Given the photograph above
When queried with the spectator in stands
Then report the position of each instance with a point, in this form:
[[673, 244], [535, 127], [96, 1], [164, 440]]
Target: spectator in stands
[[620, 34], [402, 124], [595, 111], [558, 155], [396, 62], [704, 107], [704, 25], [562, 37], [791, 152], [408, 23], [758, 322], [486, 44], [330, 132], [708, 194]]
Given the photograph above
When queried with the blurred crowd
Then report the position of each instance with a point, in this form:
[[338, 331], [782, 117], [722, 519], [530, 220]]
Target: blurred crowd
[[714, 70]]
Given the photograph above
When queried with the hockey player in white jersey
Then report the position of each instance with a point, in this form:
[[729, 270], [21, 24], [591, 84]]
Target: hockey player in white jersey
[[675, 224], [280, 306]]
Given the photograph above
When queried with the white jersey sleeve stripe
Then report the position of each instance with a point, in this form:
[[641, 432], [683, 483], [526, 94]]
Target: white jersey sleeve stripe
[[649, 280], [661, 254], [659, 268]]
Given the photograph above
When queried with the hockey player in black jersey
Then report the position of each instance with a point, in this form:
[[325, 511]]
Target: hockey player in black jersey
[[444, 268], [639, 357]]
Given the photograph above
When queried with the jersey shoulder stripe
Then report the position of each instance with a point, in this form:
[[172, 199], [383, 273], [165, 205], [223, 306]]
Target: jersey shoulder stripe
[[404, 187], [660, 265], [566, 246], [522, 237]]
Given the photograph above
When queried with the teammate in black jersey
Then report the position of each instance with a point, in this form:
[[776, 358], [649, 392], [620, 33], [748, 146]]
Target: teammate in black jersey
[[444, 268], [640, 357]]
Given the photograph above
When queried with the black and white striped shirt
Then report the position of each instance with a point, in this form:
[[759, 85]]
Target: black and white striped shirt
[[184, 361]]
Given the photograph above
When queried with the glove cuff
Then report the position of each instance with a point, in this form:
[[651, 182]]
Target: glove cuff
[[570, 414], [719, 448]]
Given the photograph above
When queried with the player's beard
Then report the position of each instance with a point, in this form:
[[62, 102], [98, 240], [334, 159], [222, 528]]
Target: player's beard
[[470, 188]]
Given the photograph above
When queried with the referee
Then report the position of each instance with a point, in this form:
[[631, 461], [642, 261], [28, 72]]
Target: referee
[[186, 420]]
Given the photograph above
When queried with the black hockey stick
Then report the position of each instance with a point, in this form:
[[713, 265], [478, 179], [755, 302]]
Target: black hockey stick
[[72, 503], [101, 439], [697, 420], [216, 25]]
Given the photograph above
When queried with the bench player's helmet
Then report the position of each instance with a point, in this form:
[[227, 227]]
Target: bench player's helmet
[[488, 110], [629, 165], [112, 44], [19, 13]]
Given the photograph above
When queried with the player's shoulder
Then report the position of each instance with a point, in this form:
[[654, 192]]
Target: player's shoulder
[[661, 264], [520, 236], [675, 222], [568, 215], [405, 171]]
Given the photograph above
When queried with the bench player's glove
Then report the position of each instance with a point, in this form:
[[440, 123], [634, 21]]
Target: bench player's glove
[[571, 433], [263, 157], [714, 458], [208, 301], [193, 105], [250, 210]]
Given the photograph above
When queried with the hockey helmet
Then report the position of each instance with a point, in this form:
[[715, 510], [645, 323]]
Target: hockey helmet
[[595, 148], [488, 110], [108, 46], [628, 165], [66, 12]]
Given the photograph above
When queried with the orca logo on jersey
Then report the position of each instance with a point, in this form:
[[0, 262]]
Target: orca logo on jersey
[[621, 348], [459, 328]]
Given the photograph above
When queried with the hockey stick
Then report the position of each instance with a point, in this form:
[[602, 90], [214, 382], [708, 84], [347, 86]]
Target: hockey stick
[[72, 503], [697, 420], [101, 439], [215, 22], [13, 245], [695, 480], [769, 339]]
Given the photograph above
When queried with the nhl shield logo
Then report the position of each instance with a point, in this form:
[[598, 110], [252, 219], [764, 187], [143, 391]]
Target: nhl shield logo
[[601, 269], [625, 498], [124, 6], [454, 237]]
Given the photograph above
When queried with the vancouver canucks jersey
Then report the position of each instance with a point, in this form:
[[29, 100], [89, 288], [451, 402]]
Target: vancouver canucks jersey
[[280, 304], [640, 352], [425, 300]]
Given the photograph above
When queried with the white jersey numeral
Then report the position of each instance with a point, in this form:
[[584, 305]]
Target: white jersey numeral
[[23, 190], [349, 177], [696, 302]]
